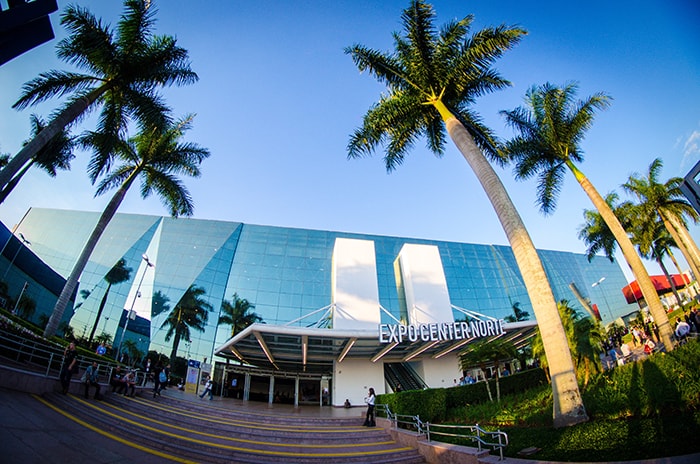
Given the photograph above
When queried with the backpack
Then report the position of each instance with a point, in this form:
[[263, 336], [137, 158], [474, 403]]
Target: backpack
[[163, 377]]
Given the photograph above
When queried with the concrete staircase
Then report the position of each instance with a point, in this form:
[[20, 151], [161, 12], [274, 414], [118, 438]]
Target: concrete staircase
[[200, 431]]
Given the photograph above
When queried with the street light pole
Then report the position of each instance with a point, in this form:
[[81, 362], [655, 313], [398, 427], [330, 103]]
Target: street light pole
[[600, 281], [23, 241], [133, 303]]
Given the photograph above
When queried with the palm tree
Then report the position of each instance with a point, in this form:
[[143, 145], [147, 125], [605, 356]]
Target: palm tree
[[123, 67], [432, 79], [668, 202], [596, 234], [56, 154], [487, 352], [132, 350], [585, 339], [156, 156], [191, 312], [236, 313], [550, 130], [518, 314], [105, 338], [653, 242], [118, 274]]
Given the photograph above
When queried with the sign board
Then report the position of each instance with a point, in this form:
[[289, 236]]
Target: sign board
[[191, 379], [400, 333]]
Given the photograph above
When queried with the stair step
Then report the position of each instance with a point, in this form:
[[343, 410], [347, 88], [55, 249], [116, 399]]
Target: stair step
[[206, 434]]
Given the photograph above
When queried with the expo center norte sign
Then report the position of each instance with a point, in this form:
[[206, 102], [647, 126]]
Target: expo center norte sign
[[398, 333]]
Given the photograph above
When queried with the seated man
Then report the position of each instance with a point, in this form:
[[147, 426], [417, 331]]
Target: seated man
[[117, 380], [90, 380], [130, 383]]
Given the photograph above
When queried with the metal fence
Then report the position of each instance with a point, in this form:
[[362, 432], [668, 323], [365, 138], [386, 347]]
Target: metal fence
[[33, 354], [495, 441]]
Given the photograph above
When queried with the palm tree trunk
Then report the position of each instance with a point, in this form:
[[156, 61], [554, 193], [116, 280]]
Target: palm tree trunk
[[498, 384], [72, 281], [628, 251], [686, 280], [668, 277], [15, 180], [685, 243], [99, 313], [60, 122], [176, 345], [568, 405]]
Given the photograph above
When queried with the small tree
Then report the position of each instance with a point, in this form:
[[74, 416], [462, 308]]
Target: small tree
[[486, 352]]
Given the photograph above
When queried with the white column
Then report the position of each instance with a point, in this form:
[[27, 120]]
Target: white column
[[296, 392], [246, 387]]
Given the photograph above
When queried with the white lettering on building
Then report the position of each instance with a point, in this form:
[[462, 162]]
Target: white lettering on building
[[398, 333]]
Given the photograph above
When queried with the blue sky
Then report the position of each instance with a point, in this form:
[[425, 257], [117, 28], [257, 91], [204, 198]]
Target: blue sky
[[277, 100]]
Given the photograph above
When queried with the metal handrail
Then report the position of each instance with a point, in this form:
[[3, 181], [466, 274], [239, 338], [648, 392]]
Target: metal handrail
[[408, 421], [42, 356], [495, 440], [498, 439]]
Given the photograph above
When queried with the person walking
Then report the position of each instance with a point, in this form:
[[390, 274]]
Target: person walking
[[156, 379], [147, 368], [70, 366], [162, 380], [89, 379], [369, 399], [208, 389]]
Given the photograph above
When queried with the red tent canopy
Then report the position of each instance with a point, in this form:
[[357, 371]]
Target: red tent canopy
[[633, 293]]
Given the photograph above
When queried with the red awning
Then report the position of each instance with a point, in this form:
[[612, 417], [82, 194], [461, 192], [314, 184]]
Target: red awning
[[633, 293]]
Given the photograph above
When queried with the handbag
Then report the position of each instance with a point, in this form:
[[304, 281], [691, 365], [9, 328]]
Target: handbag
[[163, 377]]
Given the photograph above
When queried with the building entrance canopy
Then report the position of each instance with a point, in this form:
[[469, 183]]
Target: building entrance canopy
[[313, 350]]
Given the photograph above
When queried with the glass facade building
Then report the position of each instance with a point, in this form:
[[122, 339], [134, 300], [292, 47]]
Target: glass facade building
[[284, 272]]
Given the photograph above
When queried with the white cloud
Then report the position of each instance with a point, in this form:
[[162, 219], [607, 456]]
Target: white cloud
[[691, 149]]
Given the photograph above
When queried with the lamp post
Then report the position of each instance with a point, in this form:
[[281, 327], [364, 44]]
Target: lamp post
[[600, 281], [23, 242], [133, 303]]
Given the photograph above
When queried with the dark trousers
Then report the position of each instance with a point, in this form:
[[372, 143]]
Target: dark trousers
[[369, 418], [89, 384], [65, 377]]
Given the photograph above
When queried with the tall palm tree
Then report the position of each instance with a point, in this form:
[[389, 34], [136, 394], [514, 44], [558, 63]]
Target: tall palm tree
[[668, 202], [191, 312], [118, 274], [156, 156], [122, 69], [550, 128], [595, 233], [56, 154], [432, 80], [237, 313], [653, 242]]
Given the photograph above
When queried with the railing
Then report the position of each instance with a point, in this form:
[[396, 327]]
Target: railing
[[494, 440], [483, 438], [40, 356]]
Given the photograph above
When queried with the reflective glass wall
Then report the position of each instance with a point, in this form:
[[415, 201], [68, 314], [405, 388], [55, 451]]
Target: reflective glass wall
[[284, 272]]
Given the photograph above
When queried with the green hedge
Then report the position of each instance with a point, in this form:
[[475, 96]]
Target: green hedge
[[662, 384], [432, 405]]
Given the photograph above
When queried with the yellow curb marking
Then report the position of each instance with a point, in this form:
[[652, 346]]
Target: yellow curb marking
[[220, 437], [255, 425], [222, 446], [113, 437]]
